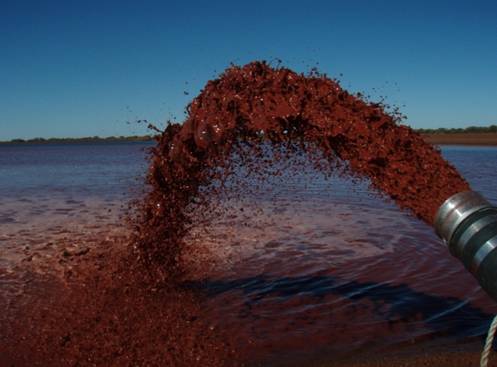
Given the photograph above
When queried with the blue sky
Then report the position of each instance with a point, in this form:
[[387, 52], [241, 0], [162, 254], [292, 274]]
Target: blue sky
[[78, 68]]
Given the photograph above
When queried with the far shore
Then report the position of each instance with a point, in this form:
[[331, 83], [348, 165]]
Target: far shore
[[437, 138], [485, 139]]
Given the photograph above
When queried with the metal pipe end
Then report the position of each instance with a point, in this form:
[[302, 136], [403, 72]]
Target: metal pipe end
[[468, 225], [455, 210]]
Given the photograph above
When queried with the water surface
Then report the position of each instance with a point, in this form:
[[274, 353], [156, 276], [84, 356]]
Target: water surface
[[318, 265]]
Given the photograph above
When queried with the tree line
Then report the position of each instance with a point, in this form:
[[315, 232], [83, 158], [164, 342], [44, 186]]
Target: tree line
[[469, 129], [87, 139], [92, 139]]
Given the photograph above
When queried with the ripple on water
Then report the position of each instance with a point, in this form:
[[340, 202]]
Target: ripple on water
[[332, 275]]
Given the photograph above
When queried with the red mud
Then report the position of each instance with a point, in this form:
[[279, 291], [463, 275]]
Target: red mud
[[119, 311], [255, 103], [104, 312]]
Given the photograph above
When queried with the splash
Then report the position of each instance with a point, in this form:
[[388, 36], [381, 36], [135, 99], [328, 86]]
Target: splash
[[257, 104]]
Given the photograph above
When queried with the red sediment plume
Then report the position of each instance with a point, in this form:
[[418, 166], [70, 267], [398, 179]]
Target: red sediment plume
[[119, 311], [257, 104]]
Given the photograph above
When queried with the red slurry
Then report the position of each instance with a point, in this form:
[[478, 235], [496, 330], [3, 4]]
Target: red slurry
[[257, 103], [116, 311], [105, 312]]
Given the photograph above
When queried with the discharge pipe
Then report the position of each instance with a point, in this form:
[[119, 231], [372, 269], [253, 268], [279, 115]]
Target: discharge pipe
[[467, 223]]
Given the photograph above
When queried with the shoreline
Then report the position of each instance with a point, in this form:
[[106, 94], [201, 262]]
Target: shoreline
[[470, 139], [453, 138]]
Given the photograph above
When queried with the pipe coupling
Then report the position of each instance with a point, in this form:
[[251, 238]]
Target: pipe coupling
[[468, 225]]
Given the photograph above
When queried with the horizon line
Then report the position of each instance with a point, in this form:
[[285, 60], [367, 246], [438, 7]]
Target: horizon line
[[149, 137]]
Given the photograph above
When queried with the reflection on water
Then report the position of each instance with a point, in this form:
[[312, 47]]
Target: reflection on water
[[327, 265], [70, 170], [323, 264], [325, 274]]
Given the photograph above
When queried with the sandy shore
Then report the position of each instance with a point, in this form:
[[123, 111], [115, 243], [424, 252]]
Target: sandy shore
[[488, 139]]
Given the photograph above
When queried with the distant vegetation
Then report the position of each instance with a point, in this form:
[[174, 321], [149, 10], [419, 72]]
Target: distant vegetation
[[93, 139], [87, 139], [470, 129]]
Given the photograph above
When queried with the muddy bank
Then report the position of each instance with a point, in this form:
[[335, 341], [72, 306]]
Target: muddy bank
[[429, 354], [485, 139], [102, 311]]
